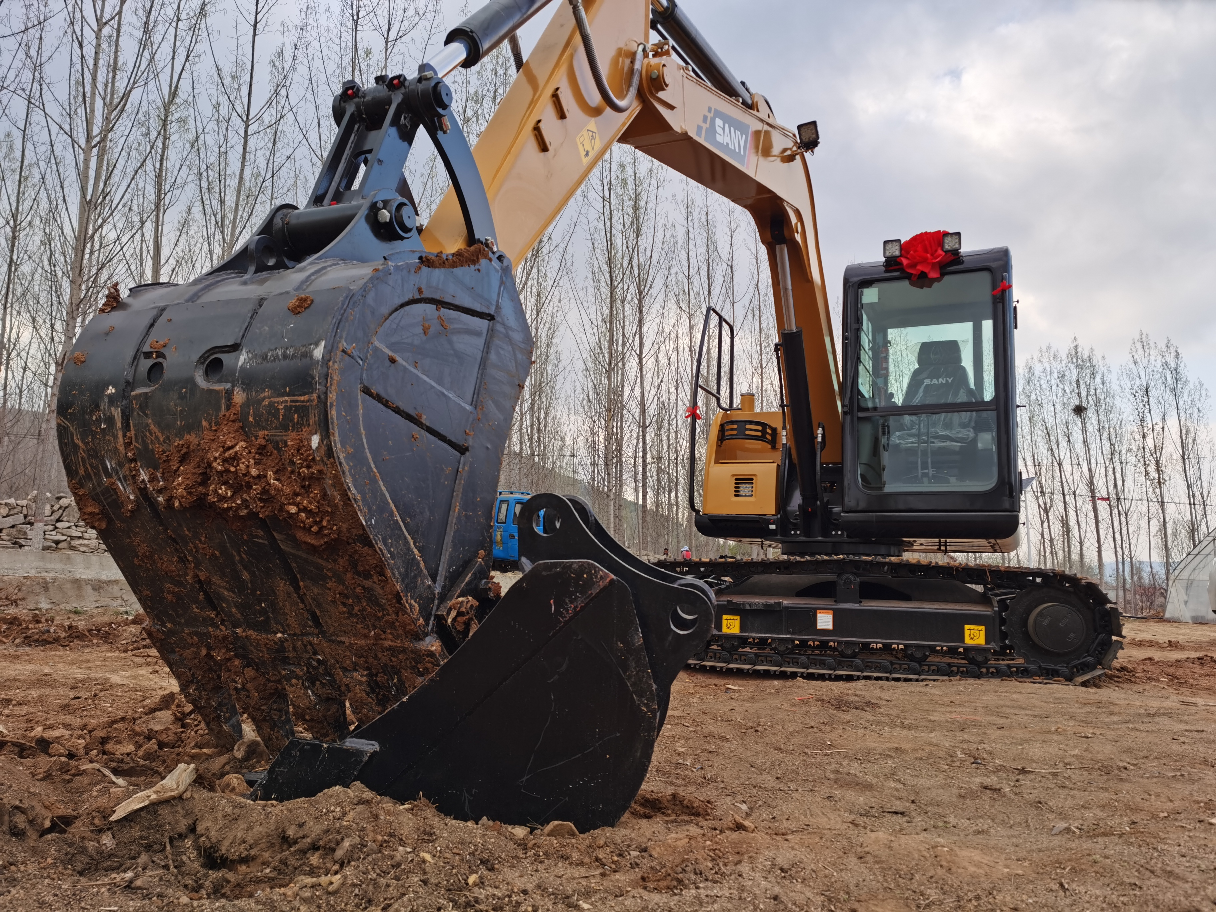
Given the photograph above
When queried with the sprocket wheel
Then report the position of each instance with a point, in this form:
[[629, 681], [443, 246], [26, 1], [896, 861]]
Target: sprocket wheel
[[1049, 626]]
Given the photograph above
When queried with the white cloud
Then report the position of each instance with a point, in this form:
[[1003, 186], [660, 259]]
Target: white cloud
[[1080, 135]]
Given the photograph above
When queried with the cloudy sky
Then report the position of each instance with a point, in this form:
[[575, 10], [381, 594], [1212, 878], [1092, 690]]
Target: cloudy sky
[[1081, 135]]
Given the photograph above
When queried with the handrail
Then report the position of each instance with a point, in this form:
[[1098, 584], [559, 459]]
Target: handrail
[[693, 412]]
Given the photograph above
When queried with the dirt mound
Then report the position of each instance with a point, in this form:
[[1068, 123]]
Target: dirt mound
[[674, 804], [1155, 644], [345, 848], [36, 628], [138, 748], [1189, 672]]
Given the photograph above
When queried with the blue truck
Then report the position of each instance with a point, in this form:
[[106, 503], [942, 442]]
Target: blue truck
[[506, 527]]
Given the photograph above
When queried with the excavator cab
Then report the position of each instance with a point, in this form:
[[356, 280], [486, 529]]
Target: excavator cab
[[929, 433], [927, 422]]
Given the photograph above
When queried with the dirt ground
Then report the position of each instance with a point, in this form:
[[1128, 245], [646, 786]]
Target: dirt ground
[[765, 793]]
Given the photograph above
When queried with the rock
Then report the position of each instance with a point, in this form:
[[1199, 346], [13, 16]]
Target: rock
[[59, 765], [158, 721], [233, 784], [519, 832], [740, 824], [71, 513], [346, 851], [559, 829], [250, 750], [474, 879], [214, 768]]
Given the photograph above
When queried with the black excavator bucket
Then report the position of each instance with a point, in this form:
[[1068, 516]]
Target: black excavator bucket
[[293, 460]]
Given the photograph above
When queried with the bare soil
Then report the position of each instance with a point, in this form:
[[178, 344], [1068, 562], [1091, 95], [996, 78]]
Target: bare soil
[[765, 793]]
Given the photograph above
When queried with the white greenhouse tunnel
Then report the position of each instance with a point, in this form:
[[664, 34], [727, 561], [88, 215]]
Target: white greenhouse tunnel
[[1192, 594]]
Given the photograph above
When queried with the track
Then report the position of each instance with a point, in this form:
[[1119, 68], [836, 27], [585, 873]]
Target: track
[[1012, 592]]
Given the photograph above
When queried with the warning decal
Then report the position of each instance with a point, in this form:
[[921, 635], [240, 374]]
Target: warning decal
[[823, 620], [588, 141], [973, 634], [730, 623]]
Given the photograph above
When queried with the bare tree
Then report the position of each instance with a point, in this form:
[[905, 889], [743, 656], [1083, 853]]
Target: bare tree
[[240, 159]]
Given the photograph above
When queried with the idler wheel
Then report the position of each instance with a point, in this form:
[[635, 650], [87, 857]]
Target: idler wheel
[[1057, 627], [1049, 626]]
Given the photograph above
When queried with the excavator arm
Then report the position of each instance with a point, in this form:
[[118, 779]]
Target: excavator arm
[[554, 125]]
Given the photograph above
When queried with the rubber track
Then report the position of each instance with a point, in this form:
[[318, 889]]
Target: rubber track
[[1000, 583]]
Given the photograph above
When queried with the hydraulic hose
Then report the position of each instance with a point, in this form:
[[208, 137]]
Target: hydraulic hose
[[593, 61]]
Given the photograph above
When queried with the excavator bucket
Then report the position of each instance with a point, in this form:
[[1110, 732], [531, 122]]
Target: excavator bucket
[[293, 460]]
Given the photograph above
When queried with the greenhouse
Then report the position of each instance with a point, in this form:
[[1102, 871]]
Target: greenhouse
[[1192, 593]]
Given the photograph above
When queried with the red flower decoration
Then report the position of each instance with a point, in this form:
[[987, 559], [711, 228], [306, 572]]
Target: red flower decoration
[[1004, 286], [693, 412], [923, 253]]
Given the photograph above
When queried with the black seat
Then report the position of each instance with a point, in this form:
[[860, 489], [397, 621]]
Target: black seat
[[939, 375], [935, 448]]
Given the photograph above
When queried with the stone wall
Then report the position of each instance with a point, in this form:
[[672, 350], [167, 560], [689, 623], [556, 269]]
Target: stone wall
[[62, 529]]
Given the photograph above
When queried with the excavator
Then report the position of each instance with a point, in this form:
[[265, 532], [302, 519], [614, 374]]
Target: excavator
[[293, 458]]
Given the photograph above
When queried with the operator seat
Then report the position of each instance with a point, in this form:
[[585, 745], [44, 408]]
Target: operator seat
[[935, 448], [939, 375]]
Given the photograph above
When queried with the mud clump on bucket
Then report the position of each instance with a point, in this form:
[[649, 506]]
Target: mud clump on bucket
[[79, 358], [467, 256], [90, 511], [242, 476], [299, 304], [354, 635], [113, 299]]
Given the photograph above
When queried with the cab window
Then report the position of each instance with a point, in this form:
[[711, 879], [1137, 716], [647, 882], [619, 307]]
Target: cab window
[[515, 514], [502, 512], [926, 385]]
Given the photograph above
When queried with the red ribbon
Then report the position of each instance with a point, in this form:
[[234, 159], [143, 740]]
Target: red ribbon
[[693, 412], [1005, 286], [923, 253]]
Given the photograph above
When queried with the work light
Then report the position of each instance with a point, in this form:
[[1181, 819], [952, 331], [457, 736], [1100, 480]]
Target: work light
[[808, 135]]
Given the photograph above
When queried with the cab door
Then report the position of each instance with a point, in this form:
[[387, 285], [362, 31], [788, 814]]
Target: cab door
[[930, 444], [511, 542], [501, 518]]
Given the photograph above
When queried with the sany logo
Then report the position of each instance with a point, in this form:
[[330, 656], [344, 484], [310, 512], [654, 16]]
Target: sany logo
[[729, 135]]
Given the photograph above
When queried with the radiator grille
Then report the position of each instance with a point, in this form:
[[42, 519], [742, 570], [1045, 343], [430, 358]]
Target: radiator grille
[[745, 487]]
